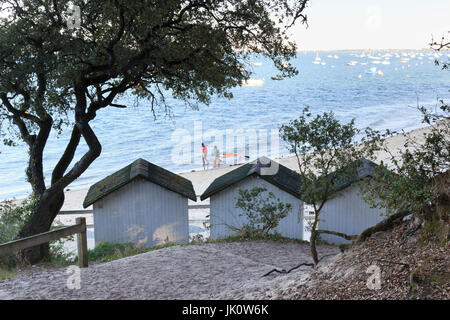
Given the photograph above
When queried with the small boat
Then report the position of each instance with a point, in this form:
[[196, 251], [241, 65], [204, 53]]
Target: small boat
[[372, 70], [254, 64], [317, 60], [253, 83], [352, 63], [278, 78]]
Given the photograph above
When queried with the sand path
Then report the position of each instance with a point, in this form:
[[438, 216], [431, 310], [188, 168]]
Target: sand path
[[183, 272]]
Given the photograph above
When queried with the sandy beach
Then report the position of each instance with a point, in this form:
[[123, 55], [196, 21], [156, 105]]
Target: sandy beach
[[207, 271], [202, 179]]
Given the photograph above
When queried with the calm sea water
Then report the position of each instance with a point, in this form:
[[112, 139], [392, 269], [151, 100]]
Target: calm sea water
[[380, 101]]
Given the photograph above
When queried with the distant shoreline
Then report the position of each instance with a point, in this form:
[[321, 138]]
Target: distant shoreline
[[370, 49]]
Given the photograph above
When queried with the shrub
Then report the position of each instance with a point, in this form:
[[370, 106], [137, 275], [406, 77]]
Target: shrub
[[413, 180], [262, 210], [107, 251], [12, 218]]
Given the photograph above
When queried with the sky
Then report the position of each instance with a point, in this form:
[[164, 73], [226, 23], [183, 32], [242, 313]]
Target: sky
[[372, 24]]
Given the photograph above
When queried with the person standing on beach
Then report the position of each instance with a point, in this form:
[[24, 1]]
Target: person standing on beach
[[216, 157], [205, 156]]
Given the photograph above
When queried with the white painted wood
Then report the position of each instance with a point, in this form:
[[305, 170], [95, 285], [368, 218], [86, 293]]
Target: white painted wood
[[224, 216], [144, 213], [348, 213]]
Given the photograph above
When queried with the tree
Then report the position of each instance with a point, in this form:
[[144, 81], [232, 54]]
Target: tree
[[415, 180], [409, 181], [327, 157], [55, 77]]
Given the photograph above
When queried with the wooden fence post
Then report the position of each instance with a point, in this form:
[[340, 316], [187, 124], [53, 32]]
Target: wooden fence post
[[82, 244]]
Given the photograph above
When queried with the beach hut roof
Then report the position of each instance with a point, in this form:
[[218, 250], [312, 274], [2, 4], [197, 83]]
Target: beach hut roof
[[284, 178], [143, 169], [364, 168]]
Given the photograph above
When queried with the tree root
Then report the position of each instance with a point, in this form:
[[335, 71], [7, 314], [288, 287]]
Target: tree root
[[384, 225], [292, 269], [339, 234]]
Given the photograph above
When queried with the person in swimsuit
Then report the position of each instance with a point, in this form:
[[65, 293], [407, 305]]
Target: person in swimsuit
[[205, 156], [216, 157]]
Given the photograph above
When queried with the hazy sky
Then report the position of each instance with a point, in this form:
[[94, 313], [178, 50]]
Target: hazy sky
[[381, 24]]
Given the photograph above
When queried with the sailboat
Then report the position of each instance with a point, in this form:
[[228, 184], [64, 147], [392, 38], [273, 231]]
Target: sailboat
[[317, 60], [372, 70]]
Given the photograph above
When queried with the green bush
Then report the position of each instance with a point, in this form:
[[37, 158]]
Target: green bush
[[409, 181], [262, 211], [107, 251], [12, 219], [13, 216]]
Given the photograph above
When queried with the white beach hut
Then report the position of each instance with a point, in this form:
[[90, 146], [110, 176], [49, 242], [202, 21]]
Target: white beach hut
[[224, 191], [348, 212], [141, 203]]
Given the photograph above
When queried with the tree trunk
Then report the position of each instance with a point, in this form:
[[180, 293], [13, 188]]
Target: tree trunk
[[312, 243], [40, 221], [312, 240], [442, 183]]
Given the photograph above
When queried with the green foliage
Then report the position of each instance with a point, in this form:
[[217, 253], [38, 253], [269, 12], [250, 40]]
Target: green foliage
[[262, 211], [12, 218], [327, 157], [274, 236], [58, 255], [409, 180], [6, 274], [322, 146], [106, 251]]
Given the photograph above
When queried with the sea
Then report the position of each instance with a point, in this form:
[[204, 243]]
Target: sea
[[379, 89]]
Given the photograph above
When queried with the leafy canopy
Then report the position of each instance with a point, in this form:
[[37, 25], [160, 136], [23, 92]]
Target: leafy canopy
[[195, 49], [326, 152], [56, 74]]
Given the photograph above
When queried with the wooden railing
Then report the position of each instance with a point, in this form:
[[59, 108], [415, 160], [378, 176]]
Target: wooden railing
[[79, 229]]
